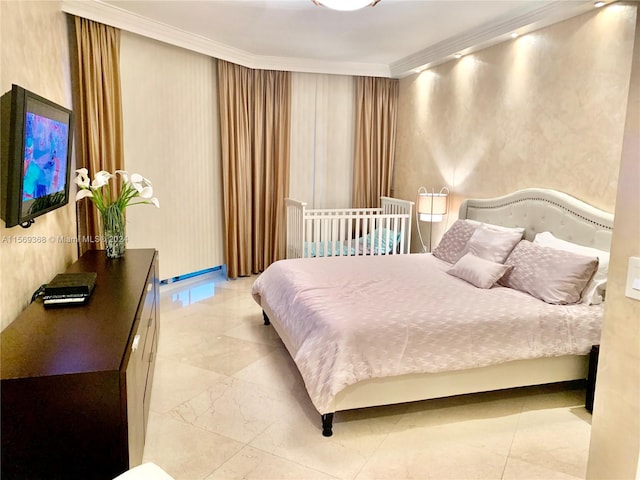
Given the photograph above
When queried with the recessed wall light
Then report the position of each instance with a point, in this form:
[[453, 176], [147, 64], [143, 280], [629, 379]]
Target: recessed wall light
[[599, 4], [458, 55], [515, 35]]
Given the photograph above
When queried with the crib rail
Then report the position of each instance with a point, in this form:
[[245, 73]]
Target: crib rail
[[352, 231]]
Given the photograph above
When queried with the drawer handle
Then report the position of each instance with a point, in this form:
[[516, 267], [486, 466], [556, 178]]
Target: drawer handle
[[136, 341]]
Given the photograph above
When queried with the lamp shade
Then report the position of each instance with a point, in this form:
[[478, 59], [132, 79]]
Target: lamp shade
[[432, 206]]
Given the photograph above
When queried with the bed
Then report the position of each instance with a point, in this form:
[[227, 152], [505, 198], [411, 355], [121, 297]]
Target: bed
[[349, 231], [376, 330]]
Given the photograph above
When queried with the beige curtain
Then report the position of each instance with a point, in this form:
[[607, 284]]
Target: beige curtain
[[254, 136], [375, 139], [98, 112]]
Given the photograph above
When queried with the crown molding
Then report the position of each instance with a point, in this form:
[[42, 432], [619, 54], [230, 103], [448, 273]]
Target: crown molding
[[489, 34], [125, 20], [482, 37], [305, 65], [131, 22]]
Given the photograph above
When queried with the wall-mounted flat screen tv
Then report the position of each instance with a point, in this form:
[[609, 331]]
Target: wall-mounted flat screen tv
[[35, 154]]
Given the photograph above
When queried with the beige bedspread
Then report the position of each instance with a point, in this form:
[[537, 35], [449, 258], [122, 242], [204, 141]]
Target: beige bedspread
[[355, 318]]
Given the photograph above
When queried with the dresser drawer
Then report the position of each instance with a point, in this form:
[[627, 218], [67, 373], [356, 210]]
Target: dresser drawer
[[136, 375], [140, 370], [149, 299], [149, 359], [147, 317]]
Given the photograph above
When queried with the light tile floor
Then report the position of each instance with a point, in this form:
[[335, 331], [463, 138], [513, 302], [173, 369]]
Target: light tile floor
[[228, 403]]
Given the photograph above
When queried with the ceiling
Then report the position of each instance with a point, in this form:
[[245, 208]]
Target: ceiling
[[392, 39]]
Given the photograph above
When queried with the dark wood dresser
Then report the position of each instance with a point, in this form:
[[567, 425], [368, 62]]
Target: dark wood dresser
[[76, 381]]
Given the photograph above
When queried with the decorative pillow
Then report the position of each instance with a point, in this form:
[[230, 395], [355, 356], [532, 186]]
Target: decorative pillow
[[592, 293], [493, 244], [453, 242], [478, 271], [552, 275]]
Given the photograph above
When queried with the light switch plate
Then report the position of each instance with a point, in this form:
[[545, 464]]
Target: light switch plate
[[633, 279]]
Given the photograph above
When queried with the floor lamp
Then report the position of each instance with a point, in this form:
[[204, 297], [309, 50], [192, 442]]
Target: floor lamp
[[431, 207]]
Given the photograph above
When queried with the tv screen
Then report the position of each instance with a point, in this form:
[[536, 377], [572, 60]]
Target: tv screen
[[36, 156]]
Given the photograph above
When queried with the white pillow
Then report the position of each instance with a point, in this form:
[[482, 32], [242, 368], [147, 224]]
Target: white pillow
[[493, 243], [550, 274], [478, 271], [592, 293], [495, 227]]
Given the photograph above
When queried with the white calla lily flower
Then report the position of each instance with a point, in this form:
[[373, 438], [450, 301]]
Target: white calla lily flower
[[136, 178], [82, 180], [124, 174], [139, 182], [146, 192], [83, 193], [101, 179], [155, 201], [103, 174], [98, 182]]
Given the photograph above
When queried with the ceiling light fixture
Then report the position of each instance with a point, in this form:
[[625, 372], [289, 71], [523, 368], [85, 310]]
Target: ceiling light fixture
[[599, 4], [514, 35], [346, 5], [458, 55]]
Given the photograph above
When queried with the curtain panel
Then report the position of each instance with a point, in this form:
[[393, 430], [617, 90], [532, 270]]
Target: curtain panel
[[254, 137], [98, 112], [375, 139], [322, 132]]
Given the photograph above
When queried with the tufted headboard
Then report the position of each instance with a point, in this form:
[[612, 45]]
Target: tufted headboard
[[541, 210]]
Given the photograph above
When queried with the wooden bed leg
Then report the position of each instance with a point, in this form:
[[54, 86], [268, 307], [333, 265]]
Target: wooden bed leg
[[327, 424], [266, 319]]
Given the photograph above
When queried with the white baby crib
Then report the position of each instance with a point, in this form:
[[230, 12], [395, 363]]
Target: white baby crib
[[348, 231]]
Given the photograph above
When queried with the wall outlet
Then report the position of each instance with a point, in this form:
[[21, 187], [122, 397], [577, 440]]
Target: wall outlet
[[633, 279]]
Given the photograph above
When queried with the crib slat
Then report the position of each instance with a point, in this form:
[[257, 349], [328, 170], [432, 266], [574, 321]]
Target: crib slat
[[403, 225], [344, 231]]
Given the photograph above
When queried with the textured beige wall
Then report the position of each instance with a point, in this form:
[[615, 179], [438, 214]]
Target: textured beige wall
[[34, 54], [544, 110], [615, 435]]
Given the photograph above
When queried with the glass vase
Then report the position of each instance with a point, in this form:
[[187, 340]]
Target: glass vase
[[113, 231]]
